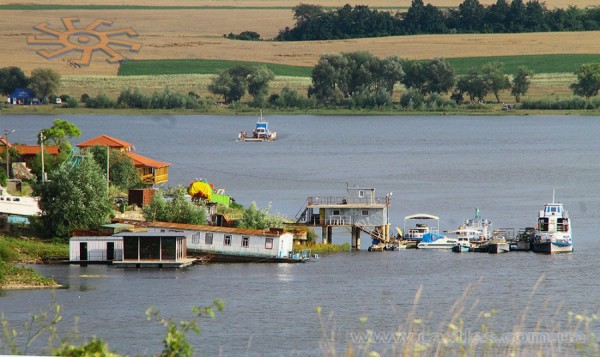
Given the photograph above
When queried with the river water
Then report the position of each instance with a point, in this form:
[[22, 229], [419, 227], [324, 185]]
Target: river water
[[507, 166]]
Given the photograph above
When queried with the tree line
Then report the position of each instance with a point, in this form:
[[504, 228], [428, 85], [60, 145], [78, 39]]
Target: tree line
[[313, 22], [43, 81]]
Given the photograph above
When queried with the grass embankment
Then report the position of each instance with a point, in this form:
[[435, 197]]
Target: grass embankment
[[26, 251], [320, 248]]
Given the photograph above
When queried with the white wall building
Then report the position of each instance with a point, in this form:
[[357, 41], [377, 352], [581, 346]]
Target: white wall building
[[232, 244], [95, 249]]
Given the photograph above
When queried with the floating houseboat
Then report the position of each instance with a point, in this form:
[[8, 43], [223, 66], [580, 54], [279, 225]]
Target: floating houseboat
[[261, 132], [553, 232], [154, 250], [95, 249], [227, 244]]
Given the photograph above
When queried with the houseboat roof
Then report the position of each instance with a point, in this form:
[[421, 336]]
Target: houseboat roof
[[197, 227], [139, 160], [96, 238], [105, 140], [150, 234]]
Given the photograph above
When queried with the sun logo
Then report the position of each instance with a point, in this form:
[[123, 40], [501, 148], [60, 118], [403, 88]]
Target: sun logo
[[85, 40]]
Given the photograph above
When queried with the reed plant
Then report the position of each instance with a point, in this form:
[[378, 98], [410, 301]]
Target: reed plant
[[416, 335]]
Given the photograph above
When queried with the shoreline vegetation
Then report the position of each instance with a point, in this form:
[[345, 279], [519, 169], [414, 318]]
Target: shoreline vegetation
[[17, 251], [320, 248]]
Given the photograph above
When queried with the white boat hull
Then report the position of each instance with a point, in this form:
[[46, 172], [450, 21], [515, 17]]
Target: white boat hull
[[552, 248]]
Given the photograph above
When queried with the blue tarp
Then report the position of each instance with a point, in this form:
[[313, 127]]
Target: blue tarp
[[431, 237], [22, 93]]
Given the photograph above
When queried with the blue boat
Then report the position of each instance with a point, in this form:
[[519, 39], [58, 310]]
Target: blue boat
[[261, 132]]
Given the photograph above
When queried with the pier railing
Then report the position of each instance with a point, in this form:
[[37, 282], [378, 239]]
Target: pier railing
[[324, 201]]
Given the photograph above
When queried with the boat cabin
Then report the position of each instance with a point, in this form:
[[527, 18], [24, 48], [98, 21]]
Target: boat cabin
[[553, 218], [421, 228], [153, 249], [95, 249]]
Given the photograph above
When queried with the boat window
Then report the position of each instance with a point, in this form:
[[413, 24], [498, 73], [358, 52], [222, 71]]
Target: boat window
[[196, 238], [365, 212], [16, 199], [227, 240], [269, 243], [208, 239], [336, 212], [245, 241], [361, 193]]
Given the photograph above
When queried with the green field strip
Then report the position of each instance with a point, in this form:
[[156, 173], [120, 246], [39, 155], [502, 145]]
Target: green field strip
[[559, 63], [157, 67], [33, 7]]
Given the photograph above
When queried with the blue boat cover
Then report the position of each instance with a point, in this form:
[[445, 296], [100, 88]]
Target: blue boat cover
[[431, 237]]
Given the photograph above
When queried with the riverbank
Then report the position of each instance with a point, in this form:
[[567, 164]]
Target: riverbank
[[491, 109], [16, 251]]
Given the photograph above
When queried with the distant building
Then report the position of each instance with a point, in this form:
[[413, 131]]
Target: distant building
[[151, 171], [29, 152]]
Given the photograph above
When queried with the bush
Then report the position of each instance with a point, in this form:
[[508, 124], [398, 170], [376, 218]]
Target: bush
[[372, 99], [561, 104], [84, 97], [133, 99], [438, 102], [289, 98], [412, 99], [70, 103], [244, 36], [100, 102]]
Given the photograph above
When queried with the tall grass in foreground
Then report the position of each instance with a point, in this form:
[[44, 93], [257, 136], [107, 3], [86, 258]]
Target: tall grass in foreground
[[452, 336]]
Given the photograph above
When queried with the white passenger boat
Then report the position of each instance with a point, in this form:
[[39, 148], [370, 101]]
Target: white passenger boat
[[18, 205], [553, 231], [436, 241]]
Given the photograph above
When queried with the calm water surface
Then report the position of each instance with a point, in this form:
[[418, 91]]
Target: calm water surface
[[444, 165]]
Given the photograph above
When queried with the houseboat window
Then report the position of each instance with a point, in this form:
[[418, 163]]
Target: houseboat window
[[196, 238], [208, 239], [336, 212], [365, 212], [227, 240], [245, 241], [361, 193], [169, 249], [269, 243], [16, 199]]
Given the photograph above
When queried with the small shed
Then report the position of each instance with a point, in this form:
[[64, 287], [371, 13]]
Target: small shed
[[22, 96], [95, 249], [154, 249]]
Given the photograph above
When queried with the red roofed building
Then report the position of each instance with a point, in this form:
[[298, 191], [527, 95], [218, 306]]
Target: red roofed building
[[151, 171], [105, 140], [28, 152]]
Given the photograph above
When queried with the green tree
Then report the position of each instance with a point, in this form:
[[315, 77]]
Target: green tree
[[471, 15], [326, 77], [473, 84], [12, 78], [588, 80], [495, 79], [44, 82], [255, 218], [258, 84], [122, 172], [74, 199], [59, 132], [306, 12], [434, 76], [521, 82], [177, 209]]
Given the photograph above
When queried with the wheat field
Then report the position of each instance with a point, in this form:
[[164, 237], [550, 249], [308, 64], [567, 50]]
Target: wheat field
[[291, 3], [198, 34]]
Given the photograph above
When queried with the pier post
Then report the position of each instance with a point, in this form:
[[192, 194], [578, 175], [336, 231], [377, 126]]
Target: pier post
[[324, 234], [355, 238], [329, 234]]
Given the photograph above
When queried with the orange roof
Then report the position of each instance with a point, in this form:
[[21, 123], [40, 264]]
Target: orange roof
[[4, 142], [34, 149], [105, 140], [139, 160], [196, 227]]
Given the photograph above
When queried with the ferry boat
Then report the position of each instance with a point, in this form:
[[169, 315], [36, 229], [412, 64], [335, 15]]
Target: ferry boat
[[464, 236], [18, 205], [553, 231], [261, 132]]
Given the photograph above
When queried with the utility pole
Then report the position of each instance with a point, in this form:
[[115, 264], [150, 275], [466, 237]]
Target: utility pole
[[42, 151], [107, 168], [6, 134]]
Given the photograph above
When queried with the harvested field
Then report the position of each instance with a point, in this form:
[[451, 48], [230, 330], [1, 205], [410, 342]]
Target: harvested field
[[290, 3], [197, 34]]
